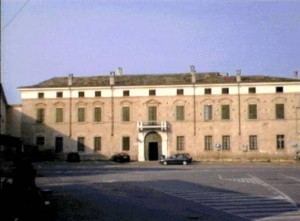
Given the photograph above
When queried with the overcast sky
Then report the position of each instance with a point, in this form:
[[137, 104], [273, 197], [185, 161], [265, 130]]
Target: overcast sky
[[42, 39]]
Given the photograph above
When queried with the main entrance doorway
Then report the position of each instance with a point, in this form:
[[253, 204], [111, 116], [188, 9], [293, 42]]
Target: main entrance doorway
[[152, 146]]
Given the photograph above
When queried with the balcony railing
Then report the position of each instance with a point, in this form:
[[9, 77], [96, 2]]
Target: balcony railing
[[152, 126]]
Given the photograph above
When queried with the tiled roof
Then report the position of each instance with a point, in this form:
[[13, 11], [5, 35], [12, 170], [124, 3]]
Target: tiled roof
[[156, 79]]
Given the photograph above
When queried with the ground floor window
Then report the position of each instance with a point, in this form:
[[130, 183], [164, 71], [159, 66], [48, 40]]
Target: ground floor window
[[180, 142], [80, 144], [253, 142], [208, 144], [280, 142], [40, 140], [59, 144], [97, 143], [126, 143], [226, 143]]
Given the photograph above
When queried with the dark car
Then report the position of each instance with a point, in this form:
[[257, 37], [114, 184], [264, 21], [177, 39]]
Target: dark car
[[73, 157], [120, 157], [180, 158]]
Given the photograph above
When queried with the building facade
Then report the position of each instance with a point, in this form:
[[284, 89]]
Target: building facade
[[211, 116]]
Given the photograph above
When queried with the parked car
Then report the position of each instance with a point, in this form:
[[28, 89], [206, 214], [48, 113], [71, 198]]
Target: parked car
[[73, 157], [180, 158], [120, 157]]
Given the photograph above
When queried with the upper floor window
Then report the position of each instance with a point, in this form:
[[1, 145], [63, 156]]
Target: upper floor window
[[280, 142], [279, 109], [152, 114], [59, 115], [225, 90], [126, 143], [40, 95], [97, 114], [180, 92], [152, 92], [97, 93], [125, 113], [180, 113], [208, 143], [208, 112], [225, 142], [279, 89], [251, 90], [225, 112], [126, 93], [252, 111], [81, 114], [40, 115], [180, 142], [81, 94], [207, 91], [59, 94]]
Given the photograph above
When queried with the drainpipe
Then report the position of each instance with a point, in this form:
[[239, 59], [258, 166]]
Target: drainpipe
[[238, 79], [193, 79], [70, 83], [112, 83]]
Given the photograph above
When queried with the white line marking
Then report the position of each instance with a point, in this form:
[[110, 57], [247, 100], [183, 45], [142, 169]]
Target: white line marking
[[286, 197], [293, 178]]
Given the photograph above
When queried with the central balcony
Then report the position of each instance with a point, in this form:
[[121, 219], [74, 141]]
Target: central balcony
[[152, 126]]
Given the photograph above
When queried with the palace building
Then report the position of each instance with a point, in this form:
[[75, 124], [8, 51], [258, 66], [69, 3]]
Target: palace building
[[211, 116]]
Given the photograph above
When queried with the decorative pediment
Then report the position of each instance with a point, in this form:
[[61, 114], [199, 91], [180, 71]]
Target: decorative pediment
[[207, 101], [41, 105], [279, 99], [180, 101], [98, 103], [81, 104], [252, 100], [125, 103], [225, 101], [152, 102], [59, 104]]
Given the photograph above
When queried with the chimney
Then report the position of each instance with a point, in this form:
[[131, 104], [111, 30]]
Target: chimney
[[238, 76], [70, 80], [296, 74], [112, 78], [119, 71], [193, 73]]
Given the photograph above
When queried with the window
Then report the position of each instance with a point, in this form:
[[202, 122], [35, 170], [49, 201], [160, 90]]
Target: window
[[225, 90], [225, 142], [59, 115], [279, 89], [40, 115], [208, 112], [40, 95], [280, 142], [207, 91], [81, 114], [80, 144], [180, 113], [81, 94], [152, 115], [59, 143], [59, 94], [279, 111], [152, 92], [125, 114], [126, 93], [208, 144], [251, 90], [180, 142], [97, 143], [97, 114], [253, 142], [180, 92], [252, 111], [97, 93], [126, 143], [225, 112], [40, 140]]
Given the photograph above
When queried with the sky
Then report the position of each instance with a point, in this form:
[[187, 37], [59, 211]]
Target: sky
[[41, 39]]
